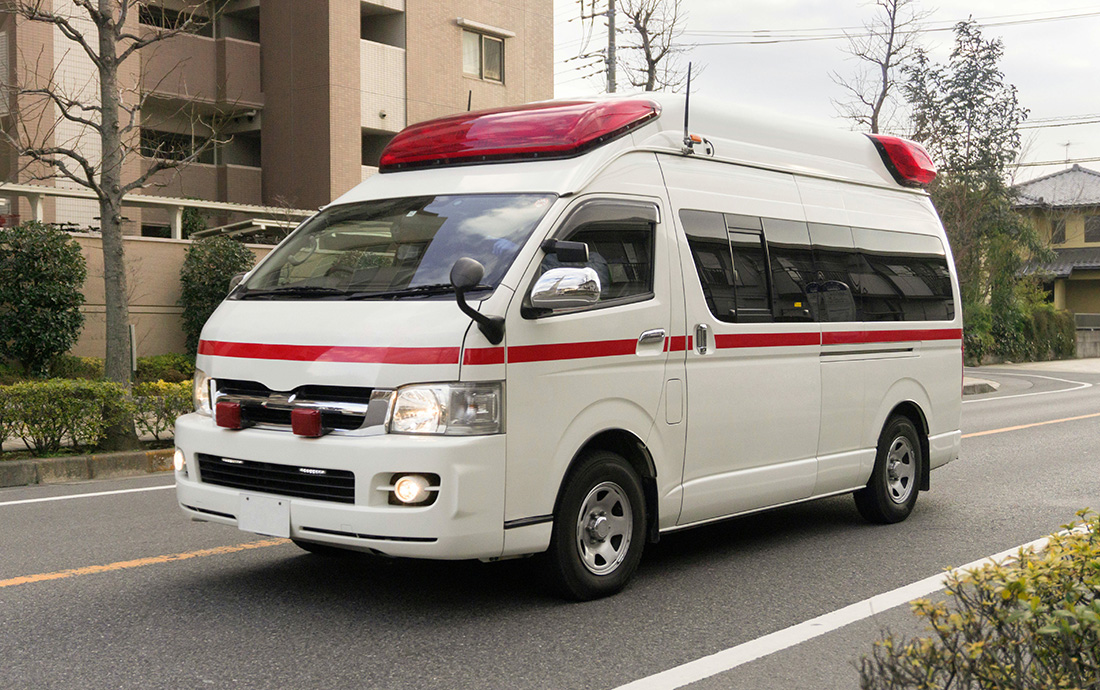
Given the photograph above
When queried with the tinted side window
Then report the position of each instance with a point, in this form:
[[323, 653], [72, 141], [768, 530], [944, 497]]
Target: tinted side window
[[710, 249], [792, 268], [831, 295], [902, 277], [750, 275]]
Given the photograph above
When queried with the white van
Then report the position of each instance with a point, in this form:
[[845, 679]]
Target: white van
[[566, 328]]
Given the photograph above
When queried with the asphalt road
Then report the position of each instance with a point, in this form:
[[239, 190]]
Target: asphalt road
[[181, 604]]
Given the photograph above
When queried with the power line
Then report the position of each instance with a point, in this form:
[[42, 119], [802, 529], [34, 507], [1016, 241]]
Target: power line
[[1047, 125], [1037, 164]]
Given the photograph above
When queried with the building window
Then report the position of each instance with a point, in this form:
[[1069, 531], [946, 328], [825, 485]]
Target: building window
[[174, 146], [1058, 231], [1092, 228], [483, 56]]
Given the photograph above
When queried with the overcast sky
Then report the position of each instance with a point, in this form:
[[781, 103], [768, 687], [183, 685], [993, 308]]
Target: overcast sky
[[1055, 64]]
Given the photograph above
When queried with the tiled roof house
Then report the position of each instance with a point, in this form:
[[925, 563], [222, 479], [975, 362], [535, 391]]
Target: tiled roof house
[[1065, 209]]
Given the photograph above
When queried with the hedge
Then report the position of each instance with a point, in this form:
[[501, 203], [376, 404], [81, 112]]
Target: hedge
[[1031, 623], [159, 403], [49, 414]]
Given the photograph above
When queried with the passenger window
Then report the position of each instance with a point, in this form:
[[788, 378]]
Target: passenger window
[[792, 268], [902, 277], [620, 238], [830, 292], [730, 263]]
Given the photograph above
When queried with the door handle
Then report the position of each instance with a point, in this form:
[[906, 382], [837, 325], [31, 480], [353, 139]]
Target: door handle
[[702, 338], [656, 335]]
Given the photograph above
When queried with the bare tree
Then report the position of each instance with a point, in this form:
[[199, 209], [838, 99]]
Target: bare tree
[[107, 107], [650, 56], [885, 43]]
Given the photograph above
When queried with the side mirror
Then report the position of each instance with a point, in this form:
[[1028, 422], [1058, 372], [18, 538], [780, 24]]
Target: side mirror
[[235, 281], [566, 288], [566, 251], [466, 274]]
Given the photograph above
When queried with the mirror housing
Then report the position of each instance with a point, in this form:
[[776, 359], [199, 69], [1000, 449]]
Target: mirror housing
[[566, 251], [235, 281], [466, 274], [566, 288]]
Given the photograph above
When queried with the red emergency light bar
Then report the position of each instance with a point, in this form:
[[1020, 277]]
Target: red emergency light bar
[[539, 130], [907, 161]]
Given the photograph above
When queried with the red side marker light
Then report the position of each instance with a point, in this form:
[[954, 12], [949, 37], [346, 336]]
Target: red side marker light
[[906, 160], [306, 422], [228, 415], [538, 130]]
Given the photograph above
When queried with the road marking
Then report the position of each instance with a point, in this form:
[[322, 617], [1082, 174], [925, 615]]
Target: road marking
[[89, 495], [1028, 426], [1080, 386], [731, 658], [139, 562]]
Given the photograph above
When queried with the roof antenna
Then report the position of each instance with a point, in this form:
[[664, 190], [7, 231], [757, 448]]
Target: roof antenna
[[469, 100], [689, 143]]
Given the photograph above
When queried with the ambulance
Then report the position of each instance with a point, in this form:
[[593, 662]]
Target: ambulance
[[566, 328]]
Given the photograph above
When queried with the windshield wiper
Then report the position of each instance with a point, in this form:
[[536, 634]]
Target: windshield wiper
[[416, 291], [292, 291]]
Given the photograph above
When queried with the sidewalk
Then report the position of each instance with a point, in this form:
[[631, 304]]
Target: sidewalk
[[974, 385], [76, 468]]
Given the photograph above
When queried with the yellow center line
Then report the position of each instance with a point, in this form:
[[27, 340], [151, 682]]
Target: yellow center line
[[140, 562], [1028, 426]]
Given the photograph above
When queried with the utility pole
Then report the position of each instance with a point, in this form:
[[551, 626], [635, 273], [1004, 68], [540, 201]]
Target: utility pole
[[611, 46]]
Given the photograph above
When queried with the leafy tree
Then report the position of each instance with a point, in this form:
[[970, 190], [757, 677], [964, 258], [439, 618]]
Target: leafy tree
[[41, 275], [204, 281], [968, 118]]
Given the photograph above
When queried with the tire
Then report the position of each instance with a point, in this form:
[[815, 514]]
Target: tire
[[326, 550], [892, 491], [599, 529]]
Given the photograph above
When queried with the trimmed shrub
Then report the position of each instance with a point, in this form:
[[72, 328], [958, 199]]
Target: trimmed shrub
[[204, 281], [41, 275], [158, 403], [172, 367], [5, 417], [1028, 624], [70, 367], [46, 414]]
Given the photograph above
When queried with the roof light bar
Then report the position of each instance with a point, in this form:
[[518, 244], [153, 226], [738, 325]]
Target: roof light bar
[[540, 130], [907, 161]]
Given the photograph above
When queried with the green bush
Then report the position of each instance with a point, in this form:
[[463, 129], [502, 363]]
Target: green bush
[[204, 281], [1029, 624], [172, 367], [41, 275], [158, 403], [46, 414], [70, 367], [5, 417]]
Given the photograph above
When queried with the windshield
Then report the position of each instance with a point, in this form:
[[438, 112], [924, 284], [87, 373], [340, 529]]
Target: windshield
[[397, 247]]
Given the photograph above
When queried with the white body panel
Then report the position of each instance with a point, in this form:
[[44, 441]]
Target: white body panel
[[773, 413]]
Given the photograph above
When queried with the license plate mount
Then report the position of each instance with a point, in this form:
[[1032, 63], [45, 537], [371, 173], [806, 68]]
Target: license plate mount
[[264, 515]]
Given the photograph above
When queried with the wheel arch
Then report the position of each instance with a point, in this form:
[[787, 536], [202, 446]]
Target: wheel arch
[[913, 412], [635, 452]]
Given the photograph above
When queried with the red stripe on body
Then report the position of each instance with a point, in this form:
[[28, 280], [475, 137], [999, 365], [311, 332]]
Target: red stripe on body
[[560, 351], [892, 336], [331, 353], [483, 355], [725, 341]]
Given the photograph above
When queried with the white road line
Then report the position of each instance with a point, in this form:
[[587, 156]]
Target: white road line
[[1080, 386], [90, 495], [731, 658]]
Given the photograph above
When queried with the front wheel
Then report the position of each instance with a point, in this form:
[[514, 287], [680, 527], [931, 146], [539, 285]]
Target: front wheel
[[599, 528], [892, 490]]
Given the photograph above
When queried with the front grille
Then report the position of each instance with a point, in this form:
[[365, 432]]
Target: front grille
[[342, 408], [284, 480]]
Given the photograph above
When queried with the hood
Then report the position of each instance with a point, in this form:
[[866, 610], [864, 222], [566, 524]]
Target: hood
[[375, 344]]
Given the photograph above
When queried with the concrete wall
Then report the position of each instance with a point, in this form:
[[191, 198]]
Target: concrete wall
[[152, 280], [1083, 292], [1088, 344]]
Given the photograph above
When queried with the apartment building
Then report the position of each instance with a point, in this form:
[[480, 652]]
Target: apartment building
[[306, 92]]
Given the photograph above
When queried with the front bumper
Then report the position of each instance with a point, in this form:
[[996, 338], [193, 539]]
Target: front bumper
[[465, 521]]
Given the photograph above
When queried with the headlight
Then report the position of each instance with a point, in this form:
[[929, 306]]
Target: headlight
[[455, 409], [200, 394]]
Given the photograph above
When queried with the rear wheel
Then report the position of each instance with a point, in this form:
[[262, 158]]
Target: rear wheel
[[599, 528], [892, 490]]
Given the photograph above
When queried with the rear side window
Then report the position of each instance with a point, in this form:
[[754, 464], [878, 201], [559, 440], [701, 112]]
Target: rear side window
[[764, 269]]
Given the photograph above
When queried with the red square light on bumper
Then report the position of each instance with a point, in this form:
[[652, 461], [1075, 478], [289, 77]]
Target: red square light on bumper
[[306, 423], [228, 415]]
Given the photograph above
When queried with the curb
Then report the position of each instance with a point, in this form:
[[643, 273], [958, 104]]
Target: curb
[[973, 386], [82, 467]]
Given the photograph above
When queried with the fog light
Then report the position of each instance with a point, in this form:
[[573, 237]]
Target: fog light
[[411, 488], [179, 461]]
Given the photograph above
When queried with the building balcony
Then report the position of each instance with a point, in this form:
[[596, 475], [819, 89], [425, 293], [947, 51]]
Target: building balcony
[[240, 184], [223, 71], [382, 104]]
